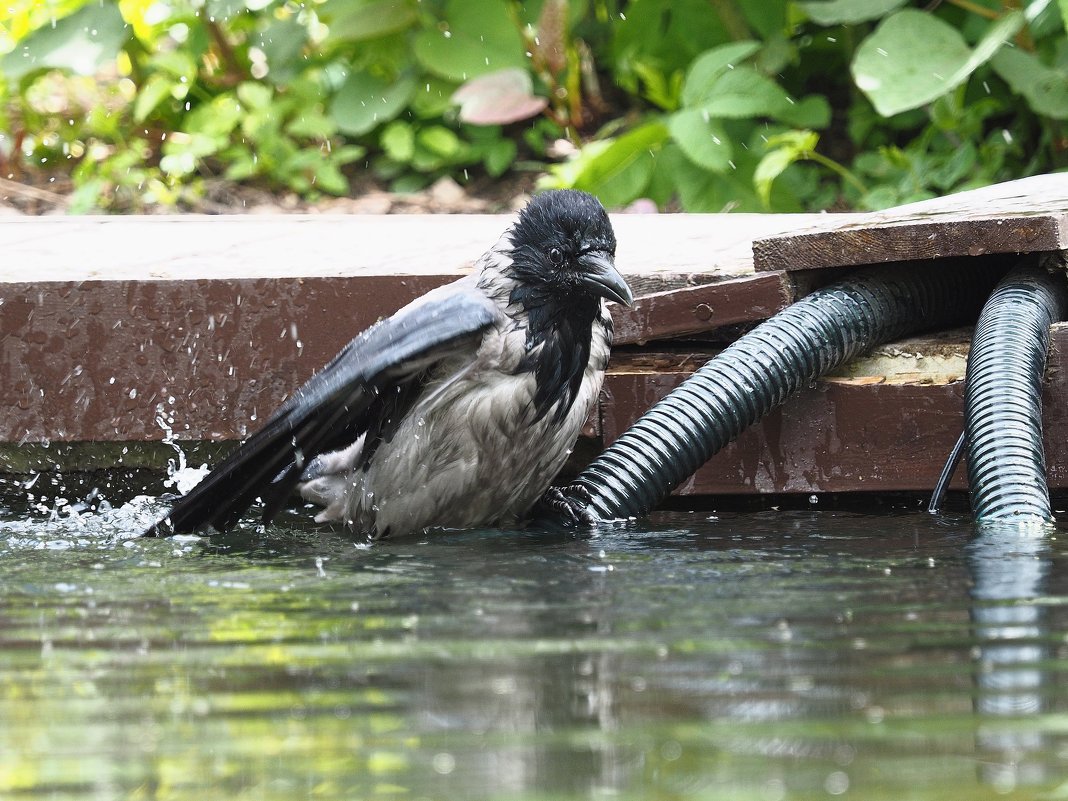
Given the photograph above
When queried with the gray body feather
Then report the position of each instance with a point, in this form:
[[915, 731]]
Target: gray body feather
[[473, 424]]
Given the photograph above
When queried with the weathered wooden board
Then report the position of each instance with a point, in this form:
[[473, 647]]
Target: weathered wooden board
[[99, 360], [655, 250], [693, 310], [885, 423], [114, 330], [1024, 216], [212, 321]]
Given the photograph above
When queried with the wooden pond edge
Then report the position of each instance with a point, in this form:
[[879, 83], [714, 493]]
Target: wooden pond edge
[[119, 333]]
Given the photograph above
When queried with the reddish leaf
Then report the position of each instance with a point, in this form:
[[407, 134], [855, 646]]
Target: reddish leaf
[[498, 98]]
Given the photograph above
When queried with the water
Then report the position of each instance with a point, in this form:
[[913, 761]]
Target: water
[[792, 655]]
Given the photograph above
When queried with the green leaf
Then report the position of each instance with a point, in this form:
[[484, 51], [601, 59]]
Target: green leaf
[[744, 92], [1002, 30], [254, 96], [311, 124], [479, 36], [347, 154], [225, 9], [177, 63], [81, 43], [913, 58], [155, 90], [770, 168], [360, 20], [809, 112], [957, 167], [183, 152], [433, 96], [848, 12], [1046, 89], [440, 141], [702, 76], [703, 191], [282, 43], [87, 197], [702, 139], [243, 166], [217, 118], [409, 182], [329, 178], [768, 17], [620, 172], [1064, 12], [366, 101], [787, 148], [398, 140], [499, 156], [659, 89], [667, 33]]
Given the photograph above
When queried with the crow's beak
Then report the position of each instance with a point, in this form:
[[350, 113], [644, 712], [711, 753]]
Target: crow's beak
[[600, 276]]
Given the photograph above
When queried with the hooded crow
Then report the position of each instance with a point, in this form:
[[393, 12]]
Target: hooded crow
[[457, 411]]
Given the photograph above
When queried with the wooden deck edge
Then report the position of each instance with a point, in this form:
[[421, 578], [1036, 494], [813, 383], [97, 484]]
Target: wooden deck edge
[[695, 310], [911, 241], [97, 369], [1029, 215], [884, 423]]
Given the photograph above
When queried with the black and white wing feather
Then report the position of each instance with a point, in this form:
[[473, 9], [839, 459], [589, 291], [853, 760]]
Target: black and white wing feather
[[370, 384]]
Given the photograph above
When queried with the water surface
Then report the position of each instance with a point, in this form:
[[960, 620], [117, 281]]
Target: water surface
[[778, 655]]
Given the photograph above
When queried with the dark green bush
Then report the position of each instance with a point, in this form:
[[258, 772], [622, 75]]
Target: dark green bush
[[704, 105]]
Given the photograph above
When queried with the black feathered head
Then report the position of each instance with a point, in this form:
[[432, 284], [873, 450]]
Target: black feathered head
[[563, 247], [563, 264]]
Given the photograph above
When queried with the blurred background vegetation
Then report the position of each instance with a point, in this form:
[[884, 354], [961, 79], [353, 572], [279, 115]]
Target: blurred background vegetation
[[698, 105]]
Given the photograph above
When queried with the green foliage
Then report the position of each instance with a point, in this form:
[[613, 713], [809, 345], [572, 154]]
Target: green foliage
[[704, 105], [914, 58], [932, 102]]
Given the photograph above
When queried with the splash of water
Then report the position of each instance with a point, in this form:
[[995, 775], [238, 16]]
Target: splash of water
[[179, 474]]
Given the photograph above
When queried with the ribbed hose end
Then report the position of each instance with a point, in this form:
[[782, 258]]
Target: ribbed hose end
[[1003, 397], [770, 363]]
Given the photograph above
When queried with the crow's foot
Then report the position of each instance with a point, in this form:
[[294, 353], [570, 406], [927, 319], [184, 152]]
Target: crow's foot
[[569, 505]]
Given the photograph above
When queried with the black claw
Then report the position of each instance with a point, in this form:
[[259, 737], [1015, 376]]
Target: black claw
[[568, 505]]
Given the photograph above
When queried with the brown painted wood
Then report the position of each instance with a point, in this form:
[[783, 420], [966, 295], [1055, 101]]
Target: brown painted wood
[[851, 433], [696, 310], [837, 437], [1025, 216], [212, 321], [100, 360], [108, 324]]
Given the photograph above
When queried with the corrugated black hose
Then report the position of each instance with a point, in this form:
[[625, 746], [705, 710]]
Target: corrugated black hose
[[1003, 398], [774, 360]]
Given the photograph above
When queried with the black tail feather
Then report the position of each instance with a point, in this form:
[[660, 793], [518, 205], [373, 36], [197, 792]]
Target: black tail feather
[[224, 495]]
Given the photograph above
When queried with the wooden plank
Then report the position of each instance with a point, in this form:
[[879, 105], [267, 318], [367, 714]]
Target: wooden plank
[[99, 360], [656, 250], [857, 431], [1025, 216], [212, 321], [696, 310]]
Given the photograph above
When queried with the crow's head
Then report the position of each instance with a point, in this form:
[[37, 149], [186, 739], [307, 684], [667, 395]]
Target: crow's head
[[563, 249]]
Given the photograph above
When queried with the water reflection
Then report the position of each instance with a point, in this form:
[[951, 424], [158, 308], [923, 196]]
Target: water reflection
[[746, 656], [1010, 565]]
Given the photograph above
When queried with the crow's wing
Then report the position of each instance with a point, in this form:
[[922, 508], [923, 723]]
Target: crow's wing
[[374, 377]]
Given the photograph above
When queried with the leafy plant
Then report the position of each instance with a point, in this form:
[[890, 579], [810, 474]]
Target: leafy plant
[[926, 112], [704, 105]]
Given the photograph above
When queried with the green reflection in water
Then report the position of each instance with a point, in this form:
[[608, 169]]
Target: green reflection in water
[[753, 656]]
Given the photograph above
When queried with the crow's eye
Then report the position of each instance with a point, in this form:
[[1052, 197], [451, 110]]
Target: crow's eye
[[556, 256]]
